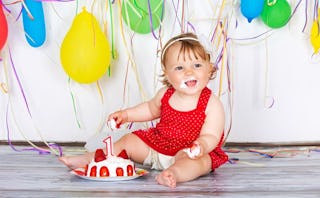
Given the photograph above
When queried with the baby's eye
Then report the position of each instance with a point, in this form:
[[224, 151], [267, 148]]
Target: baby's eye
[[178, 68], [197, 65]]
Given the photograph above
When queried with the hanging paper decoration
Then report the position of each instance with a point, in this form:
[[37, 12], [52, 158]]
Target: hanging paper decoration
[[3, 28], [251, 9], [33, 22], [315, 34], [85, 51], [276, 13], [143, 16]]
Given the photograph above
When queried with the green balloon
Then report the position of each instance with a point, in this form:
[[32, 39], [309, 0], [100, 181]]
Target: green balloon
[[276, 14], [136, 12]]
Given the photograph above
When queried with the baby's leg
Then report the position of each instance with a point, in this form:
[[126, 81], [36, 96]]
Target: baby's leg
[[79, 161], [136, 149], [184, 169], [167, 178]]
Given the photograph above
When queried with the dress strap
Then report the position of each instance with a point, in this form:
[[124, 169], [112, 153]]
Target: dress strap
[[204, 99], [167, 95]]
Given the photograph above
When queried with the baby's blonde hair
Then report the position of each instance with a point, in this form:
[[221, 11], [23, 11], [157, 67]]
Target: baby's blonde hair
[[189, 43]]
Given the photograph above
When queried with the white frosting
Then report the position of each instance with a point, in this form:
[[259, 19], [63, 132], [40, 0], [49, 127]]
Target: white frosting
[[193, 151], [183, 83], [112, 124], [112, 163]]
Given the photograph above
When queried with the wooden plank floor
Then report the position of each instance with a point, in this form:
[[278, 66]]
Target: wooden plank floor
[[28, 174]]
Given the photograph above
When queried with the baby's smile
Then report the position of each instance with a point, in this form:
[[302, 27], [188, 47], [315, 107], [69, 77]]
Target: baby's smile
[[192, 82]]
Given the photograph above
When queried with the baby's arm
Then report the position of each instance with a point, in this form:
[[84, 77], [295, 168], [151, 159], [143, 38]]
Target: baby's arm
[[212, 128], [145, 111]]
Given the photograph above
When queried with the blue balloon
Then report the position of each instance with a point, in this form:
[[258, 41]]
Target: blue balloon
[[251, 8], [35, 30]]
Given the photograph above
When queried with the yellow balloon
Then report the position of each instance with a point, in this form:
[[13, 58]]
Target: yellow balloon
[[315, 35], [85, 51]]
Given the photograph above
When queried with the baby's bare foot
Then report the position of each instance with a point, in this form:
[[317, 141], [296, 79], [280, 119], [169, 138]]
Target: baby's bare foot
[[167, 178], [74, 162]]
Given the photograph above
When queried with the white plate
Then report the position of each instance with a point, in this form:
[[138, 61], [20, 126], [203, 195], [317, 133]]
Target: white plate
[[80, 173]]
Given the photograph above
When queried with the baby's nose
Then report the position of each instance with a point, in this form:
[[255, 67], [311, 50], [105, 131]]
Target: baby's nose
[[188, 72]]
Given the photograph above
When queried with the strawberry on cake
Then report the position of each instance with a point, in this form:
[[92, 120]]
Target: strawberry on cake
[[109, 166]]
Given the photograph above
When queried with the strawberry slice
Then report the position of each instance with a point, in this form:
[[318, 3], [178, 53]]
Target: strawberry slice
[[93, 171], [104, 171], [119, 171], [99, 155], [130, 170]]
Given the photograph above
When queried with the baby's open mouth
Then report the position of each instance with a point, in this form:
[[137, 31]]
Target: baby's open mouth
[[189, 83]]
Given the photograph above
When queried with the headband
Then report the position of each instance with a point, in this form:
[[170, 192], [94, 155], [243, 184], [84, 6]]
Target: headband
[[205, 43]]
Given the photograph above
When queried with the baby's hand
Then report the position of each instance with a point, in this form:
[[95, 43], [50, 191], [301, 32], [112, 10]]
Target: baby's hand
[[116, 119], [112, 124], [194, 151]]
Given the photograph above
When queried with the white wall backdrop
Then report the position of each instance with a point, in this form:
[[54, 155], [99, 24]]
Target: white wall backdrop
[[277, 66]]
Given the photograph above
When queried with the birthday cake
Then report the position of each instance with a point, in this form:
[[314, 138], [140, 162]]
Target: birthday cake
[[109, 166]]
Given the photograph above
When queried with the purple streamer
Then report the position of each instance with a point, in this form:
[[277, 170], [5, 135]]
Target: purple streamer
[[151, 20], [192, 27], [20, 86], [55, 0], [40, 151], [4, 6], [176, 12]]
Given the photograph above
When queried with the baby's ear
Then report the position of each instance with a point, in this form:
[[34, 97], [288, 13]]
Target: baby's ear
[[213, 70]]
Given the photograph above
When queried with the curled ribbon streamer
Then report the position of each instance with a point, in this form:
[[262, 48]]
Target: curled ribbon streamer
[[113, 52], [19, 83], [73, 104], [267, 97], [100, 92], [4, 87], [133, 64], [271, 2], [35, 147], [161, 3], [176, 13], [112, 30]]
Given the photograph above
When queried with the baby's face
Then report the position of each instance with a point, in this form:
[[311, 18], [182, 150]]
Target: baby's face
[[186, 73]]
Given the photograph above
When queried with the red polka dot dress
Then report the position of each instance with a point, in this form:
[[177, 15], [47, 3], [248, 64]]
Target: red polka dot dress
[[177, 130]]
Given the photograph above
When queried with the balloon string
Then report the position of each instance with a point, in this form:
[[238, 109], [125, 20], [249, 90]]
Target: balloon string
[[113, 54], [27, 10], [133, 9], [41, 151], [4, 6], [182, 17], [55, 0], [305, 17], [134, 67], [223, 55], [266, 87], [151, 19], [294, 10], [19, 83], [4, 87], [176, 12], [271, 2], [73, 103], [100, 92], [125, 84], [9, 106], [218, 20], [112, 31]]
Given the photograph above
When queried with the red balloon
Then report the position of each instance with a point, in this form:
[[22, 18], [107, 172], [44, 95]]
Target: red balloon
[[3, 28]]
